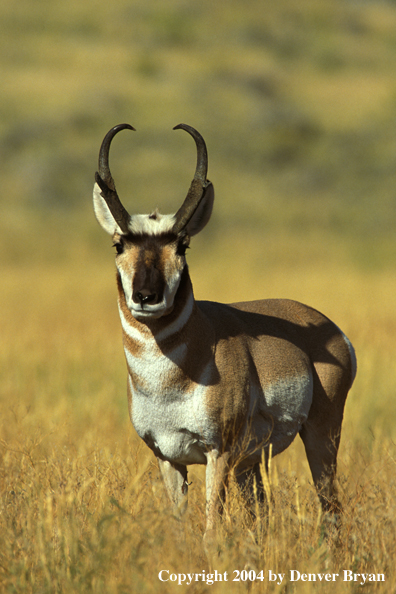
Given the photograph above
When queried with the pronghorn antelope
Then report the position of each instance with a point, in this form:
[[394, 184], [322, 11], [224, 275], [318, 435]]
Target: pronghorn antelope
[[210, 383]]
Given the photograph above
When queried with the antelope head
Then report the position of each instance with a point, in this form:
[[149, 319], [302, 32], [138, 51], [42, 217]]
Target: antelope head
[[151, 248]]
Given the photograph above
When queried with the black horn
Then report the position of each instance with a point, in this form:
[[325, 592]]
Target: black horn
[[198, 184], [105, 180]]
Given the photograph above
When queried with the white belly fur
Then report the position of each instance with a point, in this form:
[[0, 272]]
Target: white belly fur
[[278, 413], [176, 425]]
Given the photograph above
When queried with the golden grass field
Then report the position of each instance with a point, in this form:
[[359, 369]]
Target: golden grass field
[[297, 108], [82, 507]]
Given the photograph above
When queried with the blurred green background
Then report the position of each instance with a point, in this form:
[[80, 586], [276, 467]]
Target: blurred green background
[[296, 101]]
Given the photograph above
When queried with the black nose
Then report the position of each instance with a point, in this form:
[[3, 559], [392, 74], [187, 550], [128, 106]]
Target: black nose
[[145, 296]]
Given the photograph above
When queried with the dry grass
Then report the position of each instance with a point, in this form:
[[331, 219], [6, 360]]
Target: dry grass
[[82, 507]]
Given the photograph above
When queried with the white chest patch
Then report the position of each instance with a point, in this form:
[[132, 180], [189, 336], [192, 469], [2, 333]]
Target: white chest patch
[[173, 422]]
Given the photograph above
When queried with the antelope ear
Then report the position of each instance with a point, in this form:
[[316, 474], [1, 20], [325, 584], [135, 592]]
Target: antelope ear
[[203, 212], [103, 214]]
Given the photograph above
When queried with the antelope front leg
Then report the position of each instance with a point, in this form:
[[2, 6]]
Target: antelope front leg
[[216, 481], [175, 479]]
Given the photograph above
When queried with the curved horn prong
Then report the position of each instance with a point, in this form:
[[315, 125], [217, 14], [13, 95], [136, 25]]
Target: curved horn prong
[[198, 184], [105, 180]]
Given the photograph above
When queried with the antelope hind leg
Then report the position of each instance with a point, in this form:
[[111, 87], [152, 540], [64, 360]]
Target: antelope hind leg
[[251, 485], [322, 452]]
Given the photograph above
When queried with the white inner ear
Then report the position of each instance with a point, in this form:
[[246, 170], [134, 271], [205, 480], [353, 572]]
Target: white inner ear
[[103, 214], [203, 213]]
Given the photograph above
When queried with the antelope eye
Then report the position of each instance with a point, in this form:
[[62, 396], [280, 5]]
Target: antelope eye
[[119, 247], [182, 245], [181, 249]]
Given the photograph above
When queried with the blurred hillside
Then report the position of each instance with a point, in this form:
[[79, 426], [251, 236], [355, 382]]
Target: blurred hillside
[[296, 101]]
